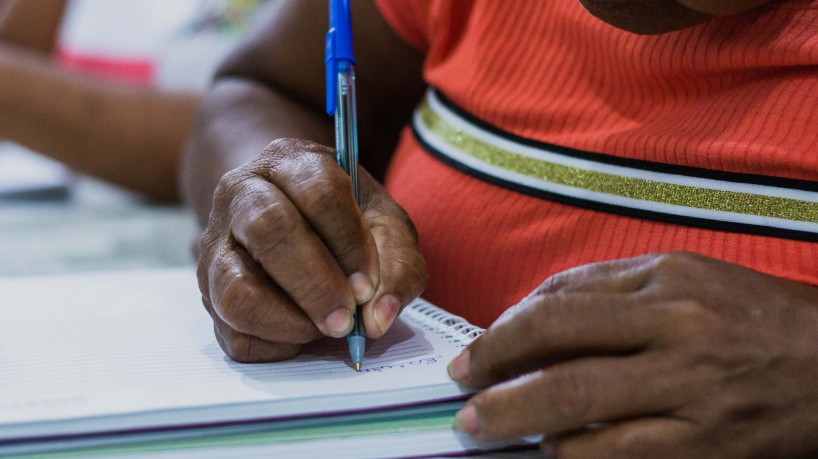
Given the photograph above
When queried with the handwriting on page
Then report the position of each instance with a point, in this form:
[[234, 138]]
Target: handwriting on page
[[420, 362]]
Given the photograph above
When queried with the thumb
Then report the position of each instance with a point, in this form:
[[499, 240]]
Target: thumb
[[403, 274]]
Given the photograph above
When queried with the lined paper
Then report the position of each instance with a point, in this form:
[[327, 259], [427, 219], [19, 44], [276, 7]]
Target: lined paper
[[136, 349]]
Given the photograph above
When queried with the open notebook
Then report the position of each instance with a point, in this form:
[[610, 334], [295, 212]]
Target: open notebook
[[96, 354]]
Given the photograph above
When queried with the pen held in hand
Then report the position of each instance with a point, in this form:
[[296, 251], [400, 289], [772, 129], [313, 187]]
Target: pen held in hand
[[340, 63]]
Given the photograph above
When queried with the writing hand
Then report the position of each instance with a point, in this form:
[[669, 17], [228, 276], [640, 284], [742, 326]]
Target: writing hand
[[288, 254], [666, 355]]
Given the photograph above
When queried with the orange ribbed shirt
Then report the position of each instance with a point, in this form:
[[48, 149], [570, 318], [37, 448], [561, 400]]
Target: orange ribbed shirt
[[736, 94]]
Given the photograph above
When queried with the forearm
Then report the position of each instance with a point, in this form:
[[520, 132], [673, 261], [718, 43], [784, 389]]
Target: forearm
[[127, 135], [237, 120], [31, 23], [273, 87]]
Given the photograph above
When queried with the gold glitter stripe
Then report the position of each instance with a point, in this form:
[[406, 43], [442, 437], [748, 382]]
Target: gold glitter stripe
[[645, 190]]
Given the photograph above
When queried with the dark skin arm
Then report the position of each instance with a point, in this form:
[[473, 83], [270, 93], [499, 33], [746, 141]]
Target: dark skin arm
[[267, 100], [131, 136], [32, 24], [287, 253]]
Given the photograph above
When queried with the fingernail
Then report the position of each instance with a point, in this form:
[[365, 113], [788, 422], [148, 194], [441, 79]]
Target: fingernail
[[386, 310], [466, 420], [339, 322], [362, 287], [459, 367]]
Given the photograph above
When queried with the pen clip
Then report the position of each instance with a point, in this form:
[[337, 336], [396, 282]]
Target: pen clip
[[338, 48]]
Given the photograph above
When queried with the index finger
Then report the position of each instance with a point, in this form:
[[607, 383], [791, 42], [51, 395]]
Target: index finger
[[271, 229], [553, 327], [571, 395], [322, 192]]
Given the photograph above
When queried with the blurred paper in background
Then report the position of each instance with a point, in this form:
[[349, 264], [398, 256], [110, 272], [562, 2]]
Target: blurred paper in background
[[52, 220], [27, 175], [170, 44]]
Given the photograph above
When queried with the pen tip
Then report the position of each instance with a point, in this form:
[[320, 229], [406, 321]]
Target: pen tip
[[357, 366]]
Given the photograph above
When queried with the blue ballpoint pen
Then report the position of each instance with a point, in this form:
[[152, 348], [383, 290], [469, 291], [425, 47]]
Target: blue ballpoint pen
[[340, 63]]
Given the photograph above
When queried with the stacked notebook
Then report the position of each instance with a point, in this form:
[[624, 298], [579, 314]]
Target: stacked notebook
[[126, 364]]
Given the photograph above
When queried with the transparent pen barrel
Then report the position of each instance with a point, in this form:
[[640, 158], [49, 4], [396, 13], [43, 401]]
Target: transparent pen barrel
[[346, 126]]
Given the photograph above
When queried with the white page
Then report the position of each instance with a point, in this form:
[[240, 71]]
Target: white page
[[109, 351]]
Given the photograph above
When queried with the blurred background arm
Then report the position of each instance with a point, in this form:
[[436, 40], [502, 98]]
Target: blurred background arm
[[31, 23], [131, 136]]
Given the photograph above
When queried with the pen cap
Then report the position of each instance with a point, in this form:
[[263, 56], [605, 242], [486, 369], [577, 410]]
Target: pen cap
[[339, 51]]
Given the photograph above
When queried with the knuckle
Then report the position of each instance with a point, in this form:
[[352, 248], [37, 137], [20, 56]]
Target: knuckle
[[566, 279], [278, 146], [413, 273], [228, 180], [672, 261], [569, 397], [276, 219], [222, 197], [268, 227], [402, 263], [689, 318], [551, 284], [538, 318], [279, 151], [316, 292], [325, 192], [227, 186], [402, 216], [235, 302], [349, 247], [209, 241], [688, 312], [286, 157], [382, 211]]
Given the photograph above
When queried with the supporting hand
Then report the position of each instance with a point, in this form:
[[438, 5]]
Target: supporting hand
[[666, 355]]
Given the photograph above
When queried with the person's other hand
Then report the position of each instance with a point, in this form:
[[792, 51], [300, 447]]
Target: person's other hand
[[665, 355], [660, 16], [287, 254]]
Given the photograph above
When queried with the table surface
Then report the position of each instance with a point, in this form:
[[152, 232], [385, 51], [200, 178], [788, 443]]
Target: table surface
[[96, 227]]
